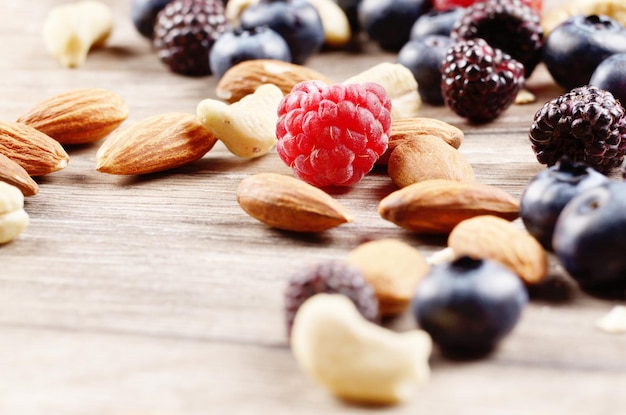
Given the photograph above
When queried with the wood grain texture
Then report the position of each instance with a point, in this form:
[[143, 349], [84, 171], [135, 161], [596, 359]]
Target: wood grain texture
[[159, 295]]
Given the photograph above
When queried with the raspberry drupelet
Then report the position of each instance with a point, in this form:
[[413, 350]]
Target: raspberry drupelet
[[333, 134]]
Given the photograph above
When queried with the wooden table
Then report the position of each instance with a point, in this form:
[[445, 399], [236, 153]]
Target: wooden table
[[159, 295]]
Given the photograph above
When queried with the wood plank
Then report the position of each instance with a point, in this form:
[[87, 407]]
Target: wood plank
[[159, 295]]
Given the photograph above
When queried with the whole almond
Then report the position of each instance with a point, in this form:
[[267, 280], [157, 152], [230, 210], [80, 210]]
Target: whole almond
[[245, 77], [495, 238], [393, 268], [35, 151], [408, 129], [427, 157], [155, 144], [287, 203], [78, 116], [437, 206], [14, 174]]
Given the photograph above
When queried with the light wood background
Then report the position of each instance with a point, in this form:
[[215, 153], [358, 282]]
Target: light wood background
[[159, 295]]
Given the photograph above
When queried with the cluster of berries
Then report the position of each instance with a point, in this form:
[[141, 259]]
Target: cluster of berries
[[472, 56], [454, 303], [196, 38]]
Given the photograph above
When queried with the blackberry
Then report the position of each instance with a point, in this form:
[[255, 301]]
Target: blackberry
[[184, 33], [332, 277], [479, 82], [587, 125], [509, 25]]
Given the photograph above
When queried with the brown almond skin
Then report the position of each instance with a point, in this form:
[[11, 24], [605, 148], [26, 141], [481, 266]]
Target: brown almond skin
[[495, 238], [409, 129], [287, 203], [78, 116], [37, 153], [245, 77], [155, 144], [393, 268], [437, 206], [427, 157], [14, 174]]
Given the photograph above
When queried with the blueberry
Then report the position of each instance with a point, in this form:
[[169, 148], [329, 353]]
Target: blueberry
[[574, 49], [436, 22], [297, 21], [424, 56], [549, 191], [389, 22], [143, 14], [469, 305], [241, 45], [590, 239], [610, 75]]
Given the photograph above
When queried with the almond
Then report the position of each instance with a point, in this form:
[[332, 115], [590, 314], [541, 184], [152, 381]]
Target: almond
[[36, 152], [14, 174], [393, 268], [437, 206], [407, 129], [245, 77], [491, 237], [427, 157], [78, 116], [287, 203], [155, 144]]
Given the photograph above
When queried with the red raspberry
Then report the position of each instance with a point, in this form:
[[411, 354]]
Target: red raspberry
[[333, 134]]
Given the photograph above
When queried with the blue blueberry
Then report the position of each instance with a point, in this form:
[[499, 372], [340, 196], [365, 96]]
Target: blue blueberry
[[424, 57], [469, 305], [143, 14], [389, 22], [549, 191], [297, 21], [590, 239], [436, 22], [574, 49], [610, 75], [241, 45]]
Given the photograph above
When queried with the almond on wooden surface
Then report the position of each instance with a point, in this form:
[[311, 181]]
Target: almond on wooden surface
[[287, 203], [153, 144], [37, 153], [78, 116]]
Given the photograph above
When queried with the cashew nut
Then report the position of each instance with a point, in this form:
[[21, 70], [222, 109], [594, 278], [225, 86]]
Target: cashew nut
[[13, 217], [248, 126], [71, 30], [399, 83], [355, 359]]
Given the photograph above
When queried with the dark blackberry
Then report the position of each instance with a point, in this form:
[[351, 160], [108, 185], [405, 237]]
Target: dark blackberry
[[508, 25], [587, 125], [332, 277], [479, 82], [184, 33]]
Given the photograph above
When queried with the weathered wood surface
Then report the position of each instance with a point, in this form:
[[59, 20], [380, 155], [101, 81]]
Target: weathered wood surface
[[159, 295]]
